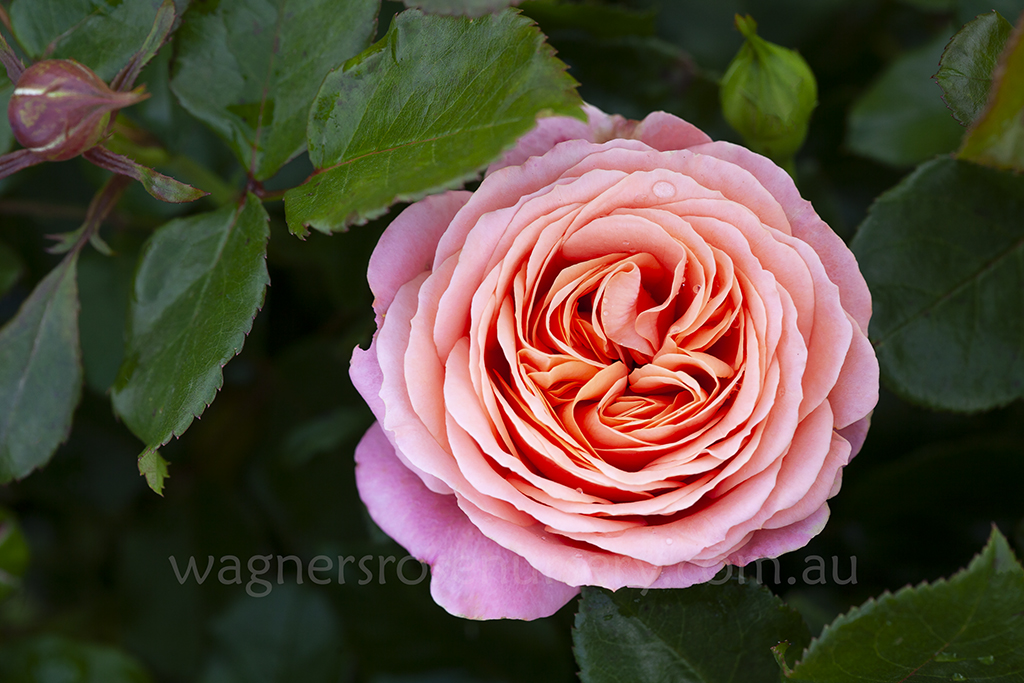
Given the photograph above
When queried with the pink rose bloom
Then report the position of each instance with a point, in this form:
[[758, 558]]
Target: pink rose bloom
[[631, 357]]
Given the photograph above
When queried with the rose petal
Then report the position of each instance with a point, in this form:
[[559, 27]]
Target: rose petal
[[839, 261], [407, 246], [471, 576]]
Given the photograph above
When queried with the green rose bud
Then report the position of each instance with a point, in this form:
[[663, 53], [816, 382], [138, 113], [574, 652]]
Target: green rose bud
[[60, 108], [768, 94]]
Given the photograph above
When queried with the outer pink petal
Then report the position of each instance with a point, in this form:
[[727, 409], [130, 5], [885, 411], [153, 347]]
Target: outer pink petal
[[407, 247], [768, 543], [856, 391], [856, 434], [574, 564], [549, 132], [471, 576], [685, 574], [368, 379], [665, 132]]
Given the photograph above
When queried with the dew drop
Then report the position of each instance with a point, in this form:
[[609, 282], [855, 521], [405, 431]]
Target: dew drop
[[579, 556], [987, 659], [663, 189], [958, 677], [579, 491], [668, 541], [696, 289], [946, 657]]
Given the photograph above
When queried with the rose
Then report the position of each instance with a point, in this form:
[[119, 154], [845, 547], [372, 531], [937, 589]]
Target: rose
[[631, 357]]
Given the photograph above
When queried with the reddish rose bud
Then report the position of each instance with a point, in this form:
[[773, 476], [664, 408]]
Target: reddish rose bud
[[60, 108]]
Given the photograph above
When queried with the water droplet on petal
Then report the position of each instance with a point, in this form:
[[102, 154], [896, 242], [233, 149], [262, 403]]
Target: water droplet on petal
[[696, 289], [579, 491], [668, 541], [663, 189]]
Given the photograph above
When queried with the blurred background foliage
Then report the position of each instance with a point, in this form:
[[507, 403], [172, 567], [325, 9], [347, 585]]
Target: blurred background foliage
[[268, 469]]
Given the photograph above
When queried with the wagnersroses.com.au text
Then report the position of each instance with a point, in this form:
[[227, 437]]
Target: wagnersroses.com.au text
[[259, 573]]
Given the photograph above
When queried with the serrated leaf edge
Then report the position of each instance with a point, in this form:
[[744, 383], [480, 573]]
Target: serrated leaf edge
[[997, 542], [543, 48], [68, 262]]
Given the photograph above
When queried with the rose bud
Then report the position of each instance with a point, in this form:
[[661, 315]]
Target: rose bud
[[60, 108], [768, 94]]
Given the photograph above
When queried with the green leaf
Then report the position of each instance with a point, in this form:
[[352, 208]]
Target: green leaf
[[466, 8], [704, 634], [199, 283], [53, 658], [154, 468], [424, 109], [14, 554], [901, 119], [997, 136], [41, 373], [105, 286], [162, 26], [251, 68], [967, 628], [290, 634], [965, 70], [11, 268], [946, 325], [102, 34]]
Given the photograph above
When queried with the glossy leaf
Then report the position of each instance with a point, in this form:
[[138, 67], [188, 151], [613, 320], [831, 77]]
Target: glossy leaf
[[965, 70], [901, 119], [946, 325], [198, 286], [101, 34], [154, 468], [11, 268], [40, 373], [55, 658], [997, 136], [967, 628], [702, 634], [424, 109], [288, 634], [14, 554], [466, 8], [251, 68]]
